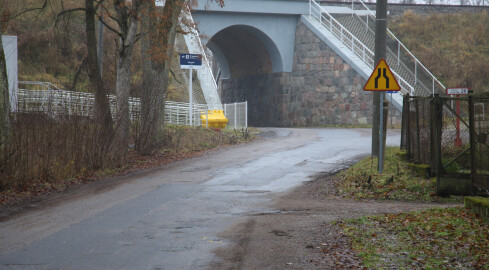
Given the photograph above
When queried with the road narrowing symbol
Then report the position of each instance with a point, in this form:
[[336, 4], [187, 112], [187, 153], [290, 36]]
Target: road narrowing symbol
[[382, 79]]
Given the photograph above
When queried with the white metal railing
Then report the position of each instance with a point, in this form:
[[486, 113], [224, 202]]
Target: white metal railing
[[206, 77], [47, 98], [400, 47], [350, 41]]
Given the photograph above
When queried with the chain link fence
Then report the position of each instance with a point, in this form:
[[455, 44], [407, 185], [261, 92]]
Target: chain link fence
[[448, 133], [417, 129]]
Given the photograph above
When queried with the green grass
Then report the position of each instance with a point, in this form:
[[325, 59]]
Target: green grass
[[397, 182], [450, 238]]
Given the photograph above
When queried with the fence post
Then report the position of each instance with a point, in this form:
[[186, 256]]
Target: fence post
[[418, 140], [235, 109], [405, 122], [246, 114], [473, 142], [438, 118]]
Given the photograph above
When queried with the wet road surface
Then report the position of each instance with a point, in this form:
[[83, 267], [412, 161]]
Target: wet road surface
[[169, 219]]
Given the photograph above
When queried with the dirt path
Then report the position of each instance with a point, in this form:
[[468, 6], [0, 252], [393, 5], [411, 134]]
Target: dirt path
[[300, 234]]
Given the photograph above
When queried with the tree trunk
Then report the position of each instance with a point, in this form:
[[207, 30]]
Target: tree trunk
[[123, 83], [156, 72], [102, 112], [4, 96]]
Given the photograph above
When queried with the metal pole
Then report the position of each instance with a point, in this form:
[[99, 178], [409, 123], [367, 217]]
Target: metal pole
[[415, 72], [381, 133], [235, 109], [380, 49], [366, 25], [190, 97]]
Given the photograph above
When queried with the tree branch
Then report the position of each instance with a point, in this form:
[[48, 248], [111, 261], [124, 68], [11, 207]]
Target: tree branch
[[110, 27], [67, 11], [31, 9]]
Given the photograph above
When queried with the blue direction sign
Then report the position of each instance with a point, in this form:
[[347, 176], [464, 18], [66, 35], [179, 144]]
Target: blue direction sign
[[190, 61]]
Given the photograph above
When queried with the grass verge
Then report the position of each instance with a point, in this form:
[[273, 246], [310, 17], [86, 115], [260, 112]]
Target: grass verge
[[397, 182], [449, 238]]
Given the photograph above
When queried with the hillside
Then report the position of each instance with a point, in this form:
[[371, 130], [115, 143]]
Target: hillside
[[454, 47], [54, 52]]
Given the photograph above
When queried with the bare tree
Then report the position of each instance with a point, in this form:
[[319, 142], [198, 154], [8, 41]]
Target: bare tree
[[102, 109], [127, 18], [157, 48]]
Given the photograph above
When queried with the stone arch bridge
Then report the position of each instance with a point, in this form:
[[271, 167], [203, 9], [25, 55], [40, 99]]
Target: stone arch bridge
[[299, 63]]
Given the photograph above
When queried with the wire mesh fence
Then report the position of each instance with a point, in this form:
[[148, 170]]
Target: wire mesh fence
[[237, 114], [418, 129], [455, 135], [448, 133]]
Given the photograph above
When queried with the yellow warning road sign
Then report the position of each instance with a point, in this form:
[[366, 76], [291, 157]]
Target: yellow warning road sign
[[382, 79]]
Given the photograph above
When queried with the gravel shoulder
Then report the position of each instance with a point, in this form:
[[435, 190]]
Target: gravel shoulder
[[300, 234]]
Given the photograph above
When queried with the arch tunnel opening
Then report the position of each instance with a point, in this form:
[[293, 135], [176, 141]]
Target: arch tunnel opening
[[247, 58], [243, 51]]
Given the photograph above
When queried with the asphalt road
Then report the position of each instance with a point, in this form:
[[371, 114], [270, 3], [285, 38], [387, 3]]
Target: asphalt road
[[170, 218]]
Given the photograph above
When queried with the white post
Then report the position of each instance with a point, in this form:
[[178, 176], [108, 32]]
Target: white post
[[398, 53], [190, 97], [235, 110], [170, 115], [415, 72], [246, 114], [366, 25]]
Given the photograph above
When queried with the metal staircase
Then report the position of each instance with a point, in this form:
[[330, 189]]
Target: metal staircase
[[352, 33], [205, 76]]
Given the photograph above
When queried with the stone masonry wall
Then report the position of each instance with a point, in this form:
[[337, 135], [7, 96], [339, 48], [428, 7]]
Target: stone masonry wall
[[322, 89]]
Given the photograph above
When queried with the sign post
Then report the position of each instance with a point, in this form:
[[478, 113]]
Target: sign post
[[190, 62], [382, 80], [457, 92]]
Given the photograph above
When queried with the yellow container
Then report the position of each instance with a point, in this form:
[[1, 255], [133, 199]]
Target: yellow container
[[215, 119]]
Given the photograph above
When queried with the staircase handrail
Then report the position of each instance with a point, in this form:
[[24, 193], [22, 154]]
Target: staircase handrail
[[389, 51], [400, 44], [354, 39], [196, 33]]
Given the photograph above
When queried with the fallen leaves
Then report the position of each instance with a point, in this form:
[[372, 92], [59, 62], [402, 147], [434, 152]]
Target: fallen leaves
[[447, 238]]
